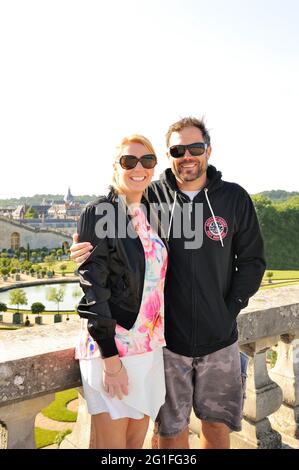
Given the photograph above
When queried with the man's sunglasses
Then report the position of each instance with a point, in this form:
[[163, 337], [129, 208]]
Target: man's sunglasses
[[196, 149], [128, 162]]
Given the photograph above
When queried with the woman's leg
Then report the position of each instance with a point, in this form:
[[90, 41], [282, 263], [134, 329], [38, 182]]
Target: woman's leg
[[136, 432], [110, 433]]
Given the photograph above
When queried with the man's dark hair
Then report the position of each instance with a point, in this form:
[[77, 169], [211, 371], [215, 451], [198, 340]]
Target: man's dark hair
[[189, 122]]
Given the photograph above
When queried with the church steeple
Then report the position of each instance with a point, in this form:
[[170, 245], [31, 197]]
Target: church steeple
[[69, 198]]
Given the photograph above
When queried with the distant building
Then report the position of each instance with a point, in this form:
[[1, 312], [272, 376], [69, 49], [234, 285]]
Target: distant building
[[55, 222], [66, 209], [15, 234]]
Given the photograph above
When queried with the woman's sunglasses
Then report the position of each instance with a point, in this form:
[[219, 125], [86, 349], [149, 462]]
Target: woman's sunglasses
[[128, 162], [196, 149]]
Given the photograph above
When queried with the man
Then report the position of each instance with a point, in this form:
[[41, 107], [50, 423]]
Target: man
[[207, 285]]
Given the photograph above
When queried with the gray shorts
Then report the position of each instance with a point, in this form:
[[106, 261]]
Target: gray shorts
[[211, 384]]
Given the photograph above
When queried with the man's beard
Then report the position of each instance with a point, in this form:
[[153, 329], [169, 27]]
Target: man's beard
[[192, 174]]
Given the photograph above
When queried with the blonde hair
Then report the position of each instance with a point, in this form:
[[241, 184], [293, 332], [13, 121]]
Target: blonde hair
[[136, 139]]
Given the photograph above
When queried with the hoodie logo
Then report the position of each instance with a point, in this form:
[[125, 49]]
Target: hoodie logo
[[211, 228]]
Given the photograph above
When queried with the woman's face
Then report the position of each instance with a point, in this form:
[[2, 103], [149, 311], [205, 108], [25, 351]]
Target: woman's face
[[137, 179]]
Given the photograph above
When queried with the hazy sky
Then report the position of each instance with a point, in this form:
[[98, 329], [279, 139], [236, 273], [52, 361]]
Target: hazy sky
[[76, 76]]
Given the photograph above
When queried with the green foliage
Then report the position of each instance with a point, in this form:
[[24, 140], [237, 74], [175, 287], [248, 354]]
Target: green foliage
[[30, 213], [279, 195], [55, 295], [3, 307], [5, 271], [18, 297], [280, 225], [26, 265], [49, 261], [37, 199], [37, 307]]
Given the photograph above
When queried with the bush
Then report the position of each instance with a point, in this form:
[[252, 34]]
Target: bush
[[3, 307], [37, 307]]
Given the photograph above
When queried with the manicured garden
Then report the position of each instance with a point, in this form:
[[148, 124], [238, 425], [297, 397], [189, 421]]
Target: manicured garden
[[57, 411]]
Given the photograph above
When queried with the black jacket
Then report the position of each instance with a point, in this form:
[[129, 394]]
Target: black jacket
[[207, 287], [113, 275]]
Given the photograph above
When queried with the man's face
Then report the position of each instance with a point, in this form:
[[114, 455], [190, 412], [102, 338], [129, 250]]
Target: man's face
[[188, 168]]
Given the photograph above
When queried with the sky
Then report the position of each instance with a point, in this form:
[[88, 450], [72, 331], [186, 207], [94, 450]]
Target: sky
[[77, 76]]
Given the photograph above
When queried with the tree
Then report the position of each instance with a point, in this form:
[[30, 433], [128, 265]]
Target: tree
[[50, 261], [26, 265], [30, 213], [37, 308], [34, 255], [5, 272], [59, 253], [28, 252], [3, 307], [18, 297], [269, 275], [56, 295], [63, 267]]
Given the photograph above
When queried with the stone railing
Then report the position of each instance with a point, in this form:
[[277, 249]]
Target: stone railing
[[37, 362]]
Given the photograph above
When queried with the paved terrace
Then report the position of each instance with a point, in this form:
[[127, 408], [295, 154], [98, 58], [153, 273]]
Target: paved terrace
[[37, 362]]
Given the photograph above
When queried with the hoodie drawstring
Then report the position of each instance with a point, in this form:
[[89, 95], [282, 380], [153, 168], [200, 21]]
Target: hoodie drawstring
[[211, 210], [214, 218], [172, 212]]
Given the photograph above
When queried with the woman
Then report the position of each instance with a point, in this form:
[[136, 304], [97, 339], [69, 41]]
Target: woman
[[120, 346]]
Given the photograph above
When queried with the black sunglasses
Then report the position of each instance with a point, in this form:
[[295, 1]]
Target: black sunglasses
[[196, 149], [128, 162]]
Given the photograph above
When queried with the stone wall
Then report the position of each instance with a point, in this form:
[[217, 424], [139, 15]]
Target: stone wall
[[37, 362], [37, 238]]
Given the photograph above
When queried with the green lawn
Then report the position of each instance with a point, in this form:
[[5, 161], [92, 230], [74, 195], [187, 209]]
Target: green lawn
[[280, 278], [47, 312], [4, 327], [44, 437], [71, 266], [280, 274], [57, 409]]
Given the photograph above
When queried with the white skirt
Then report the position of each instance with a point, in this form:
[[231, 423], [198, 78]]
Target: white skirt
[[146, 386]]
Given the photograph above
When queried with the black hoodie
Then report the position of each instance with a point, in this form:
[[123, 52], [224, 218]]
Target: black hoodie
[[206, 287]]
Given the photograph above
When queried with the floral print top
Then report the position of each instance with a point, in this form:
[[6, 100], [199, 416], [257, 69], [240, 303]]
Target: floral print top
[[147, 333]]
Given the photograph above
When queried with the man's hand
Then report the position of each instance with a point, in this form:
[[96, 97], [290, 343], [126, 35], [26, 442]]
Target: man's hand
[[80, 251]]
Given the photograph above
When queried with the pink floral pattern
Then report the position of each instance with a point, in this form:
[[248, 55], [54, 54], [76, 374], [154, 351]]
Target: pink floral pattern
[[147, 334]]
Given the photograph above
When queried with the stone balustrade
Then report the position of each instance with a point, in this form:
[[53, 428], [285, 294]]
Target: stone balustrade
[[37, 362]]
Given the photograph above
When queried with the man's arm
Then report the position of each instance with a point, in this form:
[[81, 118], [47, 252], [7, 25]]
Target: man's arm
[[250, 263]]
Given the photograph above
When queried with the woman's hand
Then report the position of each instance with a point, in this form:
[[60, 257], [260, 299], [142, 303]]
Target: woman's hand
[[115, 377], [80, 251]]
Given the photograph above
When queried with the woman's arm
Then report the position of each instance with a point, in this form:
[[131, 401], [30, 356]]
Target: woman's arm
[[93, 275]]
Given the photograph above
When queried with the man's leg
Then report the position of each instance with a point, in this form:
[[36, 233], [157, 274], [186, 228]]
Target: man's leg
[[174, 415], [214, 436], [218, 396], [180, 441]]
